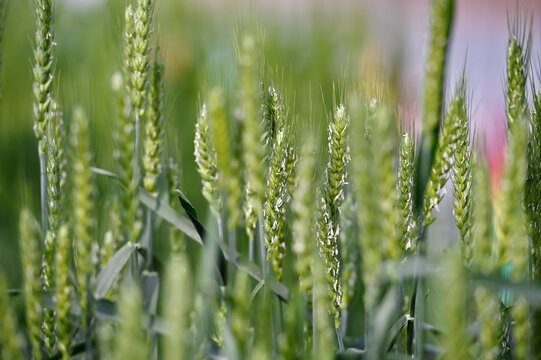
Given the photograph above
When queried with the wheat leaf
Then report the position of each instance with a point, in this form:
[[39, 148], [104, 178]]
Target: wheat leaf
[[112, 270]]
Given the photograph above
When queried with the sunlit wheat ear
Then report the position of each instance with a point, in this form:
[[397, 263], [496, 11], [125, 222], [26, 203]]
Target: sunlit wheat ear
[[462, 184], [154, 127], [406, 178], [63, 293], [12, 342], [456, 340], [31, 260], [130, 338], [82, 202], [228, 180], [446, 147], [205, 158], [332, 197], [176, 308], [303, 205]]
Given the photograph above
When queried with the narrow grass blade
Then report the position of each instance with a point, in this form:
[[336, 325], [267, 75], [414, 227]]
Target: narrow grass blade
[[112, 270]]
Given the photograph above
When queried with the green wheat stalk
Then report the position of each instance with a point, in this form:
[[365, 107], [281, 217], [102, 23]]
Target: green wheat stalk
[[173, 178]]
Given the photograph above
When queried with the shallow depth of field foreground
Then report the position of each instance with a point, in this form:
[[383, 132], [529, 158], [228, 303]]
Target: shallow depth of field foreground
[[240, 180]]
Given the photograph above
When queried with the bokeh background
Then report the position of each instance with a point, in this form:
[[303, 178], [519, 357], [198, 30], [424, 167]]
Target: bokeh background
[[311, 49]]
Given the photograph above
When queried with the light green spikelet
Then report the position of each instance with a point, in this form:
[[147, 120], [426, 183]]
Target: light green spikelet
[[43, 69], [456, 340], [153, 127], [253, 150], [521, 328], [176, 308], [441, 19], [82, 203], [130, 339], [406, 171], [303, 219], [11, 341], [63, 291], [350, 250], [331, 202], [446, 147], [127, 45], [488, 307], [205, 158], [31, 260], [462, 183], [228, 166]]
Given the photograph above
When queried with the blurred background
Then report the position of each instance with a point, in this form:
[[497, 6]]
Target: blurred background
[[311, 49]]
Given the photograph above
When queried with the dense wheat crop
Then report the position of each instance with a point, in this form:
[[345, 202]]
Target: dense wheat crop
[[293, 231]]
